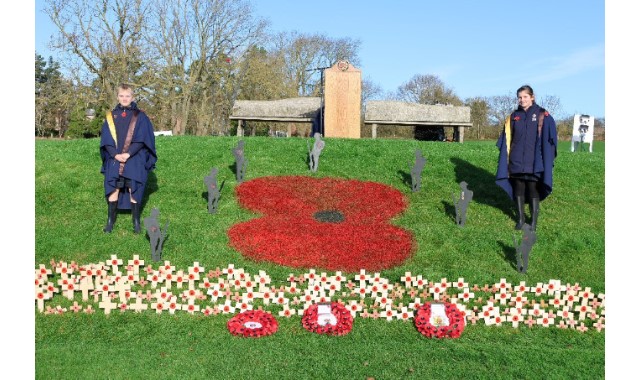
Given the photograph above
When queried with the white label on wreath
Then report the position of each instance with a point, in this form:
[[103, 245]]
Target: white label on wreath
[[253, 325], [327, 319], [324, 308], [438, 315]]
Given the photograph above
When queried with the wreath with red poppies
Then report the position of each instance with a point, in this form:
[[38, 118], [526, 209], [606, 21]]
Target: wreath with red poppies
[[340, 324], [434, 329], [252, 324]]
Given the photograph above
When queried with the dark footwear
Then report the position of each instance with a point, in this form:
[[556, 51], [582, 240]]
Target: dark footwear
[[520, 207], [535, 209], [135, 217], [112, 208]]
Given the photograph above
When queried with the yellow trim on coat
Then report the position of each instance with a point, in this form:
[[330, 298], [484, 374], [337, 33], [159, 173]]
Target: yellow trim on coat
[[112, 127]]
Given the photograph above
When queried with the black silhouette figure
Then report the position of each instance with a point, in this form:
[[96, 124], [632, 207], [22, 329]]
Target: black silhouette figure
[[314, 154], [522, 251], [416, 171], [156, 235], [462, 203], [214, 192], [241, 161]]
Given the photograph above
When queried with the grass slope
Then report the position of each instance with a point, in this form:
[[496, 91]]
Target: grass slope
[[71, 211]]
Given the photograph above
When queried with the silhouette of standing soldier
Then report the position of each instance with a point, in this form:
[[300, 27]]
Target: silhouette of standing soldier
[[241, 161], [212, 187], [156, 235], [522, 252], [416, 170], [462, 203], [314, 154]]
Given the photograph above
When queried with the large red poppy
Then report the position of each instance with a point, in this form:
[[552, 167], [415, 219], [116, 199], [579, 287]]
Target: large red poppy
[[329, 223]]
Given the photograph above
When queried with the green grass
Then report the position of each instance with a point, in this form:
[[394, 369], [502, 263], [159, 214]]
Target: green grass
[[71, 211]]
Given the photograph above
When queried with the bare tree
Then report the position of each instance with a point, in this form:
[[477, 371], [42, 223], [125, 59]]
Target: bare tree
[[306, 55], [479, 114], [552, 104], [500, 107], [427, 89], [197, 43], [104, 35]]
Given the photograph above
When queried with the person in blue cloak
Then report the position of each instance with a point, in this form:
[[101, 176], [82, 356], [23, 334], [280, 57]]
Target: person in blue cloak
[[128, 153], [528, 148]]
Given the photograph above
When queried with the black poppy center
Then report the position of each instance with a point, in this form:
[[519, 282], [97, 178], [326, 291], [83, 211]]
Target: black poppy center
[[329, 216]]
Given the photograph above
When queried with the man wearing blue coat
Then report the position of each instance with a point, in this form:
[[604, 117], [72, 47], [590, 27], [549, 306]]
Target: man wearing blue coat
[[128, 152], [528, 148]]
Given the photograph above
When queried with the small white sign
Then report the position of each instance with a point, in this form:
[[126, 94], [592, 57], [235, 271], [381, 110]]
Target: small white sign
[[253, 325], [438, 315], [325, 317]]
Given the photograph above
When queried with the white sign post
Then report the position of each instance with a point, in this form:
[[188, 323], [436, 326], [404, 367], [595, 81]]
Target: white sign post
[[582, 132]]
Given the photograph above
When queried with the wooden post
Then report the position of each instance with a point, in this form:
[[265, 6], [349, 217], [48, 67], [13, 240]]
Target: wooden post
[[342, 100], [374, 130]]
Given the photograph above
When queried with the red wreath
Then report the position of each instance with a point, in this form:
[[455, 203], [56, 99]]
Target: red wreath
[[329, 223], [426, 328], [253, 324], [344, 320]]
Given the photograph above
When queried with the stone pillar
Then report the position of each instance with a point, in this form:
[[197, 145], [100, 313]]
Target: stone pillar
[[342, 100]]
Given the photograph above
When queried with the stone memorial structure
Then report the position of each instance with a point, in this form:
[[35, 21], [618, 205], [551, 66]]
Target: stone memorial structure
[[342, 100], [291, 111], [391, 112]]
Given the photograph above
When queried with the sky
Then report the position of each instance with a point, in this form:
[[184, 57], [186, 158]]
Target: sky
[[477, 48]]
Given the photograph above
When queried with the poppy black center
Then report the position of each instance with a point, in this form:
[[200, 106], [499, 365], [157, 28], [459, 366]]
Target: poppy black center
[[329, 216]]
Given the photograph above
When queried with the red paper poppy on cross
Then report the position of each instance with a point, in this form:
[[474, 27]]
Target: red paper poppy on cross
[[329, 223]]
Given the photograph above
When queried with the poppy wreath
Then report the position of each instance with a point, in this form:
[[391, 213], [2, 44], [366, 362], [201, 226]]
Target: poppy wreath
[[426, 328], [253, 324], [344, 320], [329, 223]]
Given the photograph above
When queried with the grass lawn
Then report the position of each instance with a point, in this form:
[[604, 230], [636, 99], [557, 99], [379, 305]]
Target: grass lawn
[[70, 212]]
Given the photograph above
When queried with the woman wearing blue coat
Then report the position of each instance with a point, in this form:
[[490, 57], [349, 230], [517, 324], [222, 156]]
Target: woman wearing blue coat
[[528, 148]]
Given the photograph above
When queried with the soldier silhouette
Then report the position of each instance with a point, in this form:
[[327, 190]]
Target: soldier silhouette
[[416, 170], [314, 153], [522, 251], [241, 161], [214, 193], [462, 203], [156, 235]]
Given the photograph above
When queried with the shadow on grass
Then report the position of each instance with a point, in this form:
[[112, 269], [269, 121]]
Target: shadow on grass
[[152, 187], [405, 177], [450, 210], [509, 255], [483, 185]]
